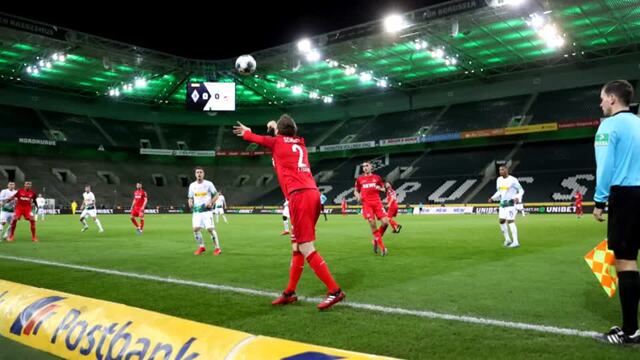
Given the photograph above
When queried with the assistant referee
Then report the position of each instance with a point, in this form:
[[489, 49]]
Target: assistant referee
[[617, 148]]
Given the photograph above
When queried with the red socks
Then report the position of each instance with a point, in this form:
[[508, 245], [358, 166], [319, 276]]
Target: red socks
[[33, 229], [321, 269], [394, 224], [297, 265], [14, 222], [141, 224], [135, 223]]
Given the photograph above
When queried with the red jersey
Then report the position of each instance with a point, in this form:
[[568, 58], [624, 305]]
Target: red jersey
[[25, 198], [139, 197], [578, 198], [289, 159], [391, 197], [367, 186]]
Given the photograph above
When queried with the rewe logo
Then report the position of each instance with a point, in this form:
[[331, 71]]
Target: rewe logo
[[31, 318]]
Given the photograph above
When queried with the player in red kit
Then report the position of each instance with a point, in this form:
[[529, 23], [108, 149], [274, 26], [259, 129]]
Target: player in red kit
[[367, 191], [137, 207], [296, 181], [578, 203], [25, 198], [344, 207], [392, 208]]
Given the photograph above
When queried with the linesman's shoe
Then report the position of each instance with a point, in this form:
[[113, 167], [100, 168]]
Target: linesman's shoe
[[285, 299], [616, 336], [332, 299]]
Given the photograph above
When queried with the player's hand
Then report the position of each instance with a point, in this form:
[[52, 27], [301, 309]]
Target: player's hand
[[597, 213], [240, 129], [490, 200], [516, 201]]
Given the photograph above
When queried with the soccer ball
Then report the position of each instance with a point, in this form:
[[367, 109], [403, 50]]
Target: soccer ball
[[246, 65]]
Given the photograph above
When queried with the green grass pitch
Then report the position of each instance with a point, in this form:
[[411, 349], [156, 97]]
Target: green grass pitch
[[447, 264]]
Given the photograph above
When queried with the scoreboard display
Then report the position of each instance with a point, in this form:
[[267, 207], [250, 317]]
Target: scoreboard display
[[211, 96]]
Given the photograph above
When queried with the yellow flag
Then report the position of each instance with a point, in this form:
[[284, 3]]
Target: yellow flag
[[602, 262]]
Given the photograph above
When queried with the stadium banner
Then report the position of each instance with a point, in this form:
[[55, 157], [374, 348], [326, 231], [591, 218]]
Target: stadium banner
[[400, 141], [440, 137], [579, 124], [349, 146], [443, 210], [531, 128], [482, 133], [168, 152], [312, 149], [32, 27], [553, 209], [452, 8], [37, 141], [241, 153], [77, 327]]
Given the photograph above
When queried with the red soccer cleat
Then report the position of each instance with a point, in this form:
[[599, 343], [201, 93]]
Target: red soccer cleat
[[200, 251], [34, 239], [285, 299], [285, 232], [332, 299], [10, 238], [217, 251]]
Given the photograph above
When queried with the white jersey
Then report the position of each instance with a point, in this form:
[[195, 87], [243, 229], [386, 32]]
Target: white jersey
[[40, 201], [201, 193], [507, 190], [5, 194], [220, 203], [89, 200]]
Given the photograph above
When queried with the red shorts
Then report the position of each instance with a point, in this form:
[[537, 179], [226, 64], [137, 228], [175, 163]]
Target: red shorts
[[304, 208], [392, 211], [137, 212], [373, 211], [23, 211]]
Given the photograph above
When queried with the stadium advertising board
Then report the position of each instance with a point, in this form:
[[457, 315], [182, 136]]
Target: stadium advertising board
[[440, 137], [77, 327], [349, 146], [167, 152], [531, 128], [400, 141], [443, 210], [579, 124]]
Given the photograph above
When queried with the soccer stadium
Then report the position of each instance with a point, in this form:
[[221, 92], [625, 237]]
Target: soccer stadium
[[434, 182]]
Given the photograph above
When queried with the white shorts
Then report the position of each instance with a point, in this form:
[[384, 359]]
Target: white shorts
[[203, 220], [219, 211], [507, 213], [6, 217], [285, 211], [92, 213], [519, 206]]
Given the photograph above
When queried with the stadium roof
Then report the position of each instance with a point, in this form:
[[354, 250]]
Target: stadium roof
[[455, 41]]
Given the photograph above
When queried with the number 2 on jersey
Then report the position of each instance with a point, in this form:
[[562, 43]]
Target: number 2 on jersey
[[298, 148]]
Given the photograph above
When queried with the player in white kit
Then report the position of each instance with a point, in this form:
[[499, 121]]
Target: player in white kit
[[202, 196], [8, 207], [221, 204], [509, 192], [285, 217], [40, 201], [88, 208]]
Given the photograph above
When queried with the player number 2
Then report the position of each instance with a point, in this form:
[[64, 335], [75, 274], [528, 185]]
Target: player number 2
[[298, 148]]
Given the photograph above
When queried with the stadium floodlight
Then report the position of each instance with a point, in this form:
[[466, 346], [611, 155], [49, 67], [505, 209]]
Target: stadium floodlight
[[313, 55], [327, 99], [420, 44], [536, 21], [62, 57], [313, 95], [297, 89], [41, 63], [304, 46], [394, 23], [332, 63], [350, 70], [29, 69], [365, 76], [47, 64], [36, 71], [55, 57], [437, 53], [383, 83], [280, 84], [141, 82]]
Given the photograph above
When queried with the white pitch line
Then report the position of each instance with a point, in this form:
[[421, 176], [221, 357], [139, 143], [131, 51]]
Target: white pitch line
[[362, 306]]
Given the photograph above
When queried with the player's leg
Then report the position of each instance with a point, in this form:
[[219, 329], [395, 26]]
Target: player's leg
[[196, 222], [83, 220], [502, 219], [295, 272], [32, 222], [323, 212], [134, 214], [3, 222], [210, 226], [223, 216], [285, 222], [511, 221], [14, 222], [94, 215], [374, 230]]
